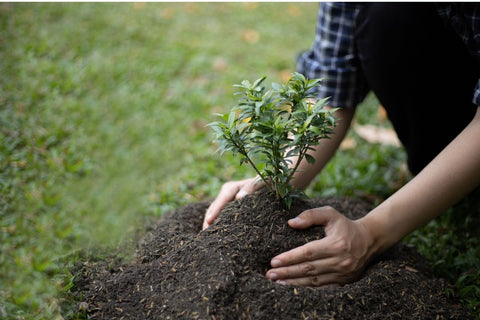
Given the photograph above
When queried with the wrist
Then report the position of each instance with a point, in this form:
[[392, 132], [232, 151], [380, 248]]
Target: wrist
[[382, 235]]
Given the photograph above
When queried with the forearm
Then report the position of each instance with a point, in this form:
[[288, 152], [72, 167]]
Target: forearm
[[447, 179], [323, 152]]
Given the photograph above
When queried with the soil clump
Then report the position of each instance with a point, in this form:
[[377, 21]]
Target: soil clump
[[181, 272]]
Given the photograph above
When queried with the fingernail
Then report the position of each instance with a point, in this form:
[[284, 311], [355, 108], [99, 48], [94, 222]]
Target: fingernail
[[272, 276], [295, 220], [281, 282], [275, 263], [241, 194]]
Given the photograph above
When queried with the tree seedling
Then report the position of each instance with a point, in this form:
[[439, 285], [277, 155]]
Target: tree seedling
[[273, 130]]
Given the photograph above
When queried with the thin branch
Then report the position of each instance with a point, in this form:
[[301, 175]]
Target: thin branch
[[242, 150]]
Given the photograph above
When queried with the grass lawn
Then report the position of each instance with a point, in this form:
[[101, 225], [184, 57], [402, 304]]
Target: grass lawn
[[103, 110]]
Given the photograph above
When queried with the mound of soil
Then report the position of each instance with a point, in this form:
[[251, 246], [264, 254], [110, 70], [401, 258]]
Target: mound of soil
[[182, 272]]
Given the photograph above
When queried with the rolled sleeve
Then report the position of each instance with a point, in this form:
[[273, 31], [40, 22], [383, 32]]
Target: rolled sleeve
[[332, 56]]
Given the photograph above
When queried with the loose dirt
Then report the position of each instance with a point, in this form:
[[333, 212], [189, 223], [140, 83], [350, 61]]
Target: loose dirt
[[181, 272]]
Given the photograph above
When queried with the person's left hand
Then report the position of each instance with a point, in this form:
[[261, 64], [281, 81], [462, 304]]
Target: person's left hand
[[338, 258]]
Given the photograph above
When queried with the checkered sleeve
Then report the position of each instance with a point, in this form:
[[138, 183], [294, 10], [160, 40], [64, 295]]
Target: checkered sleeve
[[332, 56], [464, 19]]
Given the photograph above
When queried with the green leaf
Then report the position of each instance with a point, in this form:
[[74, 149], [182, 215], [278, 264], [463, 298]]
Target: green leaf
[[309, 158], [231, 118], [288, 202], [259, 81], [258, 128]]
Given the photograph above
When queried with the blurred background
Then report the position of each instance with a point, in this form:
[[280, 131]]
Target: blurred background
[[103, 113]]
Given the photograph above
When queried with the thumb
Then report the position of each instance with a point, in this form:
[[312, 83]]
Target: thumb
[[241, 193], [250, 187], [313, 217]]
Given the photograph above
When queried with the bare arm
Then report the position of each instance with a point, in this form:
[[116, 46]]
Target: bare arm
[[453, 174], [325, 151]]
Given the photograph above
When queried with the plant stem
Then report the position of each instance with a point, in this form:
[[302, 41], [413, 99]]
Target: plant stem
[[241, 149], [301, 154]]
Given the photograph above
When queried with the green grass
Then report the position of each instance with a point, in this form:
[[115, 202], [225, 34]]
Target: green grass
[[103, 110]]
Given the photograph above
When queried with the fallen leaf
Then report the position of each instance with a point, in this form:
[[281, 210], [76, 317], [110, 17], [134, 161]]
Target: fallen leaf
[[198, 126], [294, 11], [190, 7], [348, 143], [250, 5], [167, 13], [250, 36], [375, 134], [139, 5], [285, 75], [219, 64], [382, 113]]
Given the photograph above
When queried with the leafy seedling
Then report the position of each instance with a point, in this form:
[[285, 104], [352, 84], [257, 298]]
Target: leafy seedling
[[273, 130]]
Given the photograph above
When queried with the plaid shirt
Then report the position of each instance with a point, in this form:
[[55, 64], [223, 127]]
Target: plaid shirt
[[333, 57]]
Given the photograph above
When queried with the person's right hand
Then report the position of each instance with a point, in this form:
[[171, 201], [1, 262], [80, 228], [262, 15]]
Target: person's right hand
[[230, 191]]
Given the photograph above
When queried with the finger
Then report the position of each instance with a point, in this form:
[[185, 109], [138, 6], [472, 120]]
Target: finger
[[310, 251], [241, 193], [205, 224], [227, 193], [230, 191], [316, 216], [250, 187], [306, 269], [331, 280], [214, 210]]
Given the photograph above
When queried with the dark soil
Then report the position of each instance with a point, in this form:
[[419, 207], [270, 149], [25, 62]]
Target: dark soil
[[182, 272]]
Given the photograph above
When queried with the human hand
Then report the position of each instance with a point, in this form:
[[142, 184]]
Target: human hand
[[338, 258], [230, 191]]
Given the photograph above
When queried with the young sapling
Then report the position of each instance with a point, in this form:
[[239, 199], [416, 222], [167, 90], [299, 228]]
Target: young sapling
[[273, 130]]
